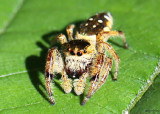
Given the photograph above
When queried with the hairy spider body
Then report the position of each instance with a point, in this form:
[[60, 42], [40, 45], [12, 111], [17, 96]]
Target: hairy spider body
[[83, 55], [78, 57]]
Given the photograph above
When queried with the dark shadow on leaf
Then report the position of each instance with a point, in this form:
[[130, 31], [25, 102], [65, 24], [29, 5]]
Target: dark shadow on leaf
[[82, 98], [112, 75], [35, 66]]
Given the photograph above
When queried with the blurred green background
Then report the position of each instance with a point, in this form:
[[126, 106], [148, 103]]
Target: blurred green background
[[27, 28]]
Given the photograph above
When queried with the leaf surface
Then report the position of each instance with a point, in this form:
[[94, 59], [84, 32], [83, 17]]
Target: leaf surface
[[23, 49]]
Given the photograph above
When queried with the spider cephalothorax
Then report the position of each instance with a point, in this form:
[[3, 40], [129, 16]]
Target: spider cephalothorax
[[78, 57], [83, 55]]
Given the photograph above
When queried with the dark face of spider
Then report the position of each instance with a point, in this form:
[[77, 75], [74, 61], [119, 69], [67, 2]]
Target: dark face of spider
[[77, 47], [78, 55]]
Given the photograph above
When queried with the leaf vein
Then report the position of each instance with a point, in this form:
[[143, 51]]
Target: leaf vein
[[5, 75], [19, 106], [12, 16]]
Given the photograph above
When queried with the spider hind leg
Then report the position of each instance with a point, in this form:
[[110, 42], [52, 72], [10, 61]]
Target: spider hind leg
[[105, 35]]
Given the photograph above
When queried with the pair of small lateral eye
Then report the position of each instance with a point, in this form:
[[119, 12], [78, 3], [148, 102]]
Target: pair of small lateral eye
[[79, 53]]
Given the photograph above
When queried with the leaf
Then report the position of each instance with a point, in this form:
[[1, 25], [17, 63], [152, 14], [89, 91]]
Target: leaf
[[24, 45], [149, 102], [7, 13]]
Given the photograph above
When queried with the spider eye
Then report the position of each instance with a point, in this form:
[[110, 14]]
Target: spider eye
[[67, 49], [85, 51], [72, 53], [79, 53]]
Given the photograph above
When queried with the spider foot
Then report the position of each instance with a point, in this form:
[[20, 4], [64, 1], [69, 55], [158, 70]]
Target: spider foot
[[52, 100], [79, 86], [115, 76], [126, 45], [114, 79], [85, 100], [66, 85]]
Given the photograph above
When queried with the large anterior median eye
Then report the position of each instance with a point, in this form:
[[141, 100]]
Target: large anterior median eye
[[79, 53]]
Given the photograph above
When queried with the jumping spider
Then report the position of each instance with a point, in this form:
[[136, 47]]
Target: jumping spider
[[84, 55]]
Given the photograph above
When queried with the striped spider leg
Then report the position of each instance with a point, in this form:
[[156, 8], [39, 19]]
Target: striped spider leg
[[98, 72], [55, 64]]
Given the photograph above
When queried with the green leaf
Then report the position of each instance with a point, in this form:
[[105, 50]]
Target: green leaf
[[150, 101], [8, 9], [23, 49]]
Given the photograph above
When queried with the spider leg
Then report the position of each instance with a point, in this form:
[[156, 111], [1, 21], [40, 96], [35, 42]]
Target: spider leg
[[115, 57], [54, 64], [66, 83], [107, 66], [62, 38], [95, 72], [70, 31], [79, 84], [105, 35]]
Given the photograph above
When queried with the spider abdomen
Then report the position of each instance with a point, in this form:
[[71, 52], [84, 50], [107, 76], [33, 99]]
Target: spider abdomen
[[96, 24]]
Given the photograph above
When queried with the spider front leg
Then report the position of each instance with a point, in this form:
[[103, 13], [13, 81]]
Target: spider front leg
[[95, 71], [54, 64], [66, 82], [70, 31], [105, 35], [79, 84], [107, 66], [115, 57], [99, 80]]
